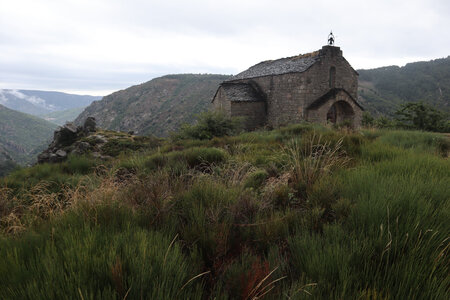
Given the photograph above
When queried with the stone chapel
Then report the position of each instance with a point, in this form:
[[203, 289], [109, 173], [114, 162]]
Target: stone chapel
[[316, 87]]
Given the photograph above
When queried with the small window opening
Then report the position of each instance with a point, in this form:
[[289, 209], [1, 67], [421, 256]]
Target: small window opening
[[332, 77]]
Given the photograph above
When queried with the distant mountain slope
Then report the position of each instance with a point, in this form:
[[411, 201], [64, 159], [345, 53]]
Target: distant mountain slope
[[63, 116], [163, 104], [382, 90], [22, 135], [42, 102], [155, 107]]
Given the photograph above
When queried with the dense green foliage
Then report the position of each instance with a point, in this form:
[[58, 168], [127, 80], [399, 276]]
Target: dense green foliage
[[423, 117], [411, 115], [22, 134], [302, 212], [210, 124], [383, 90]]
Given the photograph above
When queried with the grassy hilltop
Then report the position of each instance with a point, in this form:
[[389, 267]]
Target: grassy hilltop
[[301, 212]]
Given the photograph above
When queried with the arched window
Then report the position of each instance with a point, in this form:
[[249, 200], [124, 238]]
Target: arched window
[[332, 77]]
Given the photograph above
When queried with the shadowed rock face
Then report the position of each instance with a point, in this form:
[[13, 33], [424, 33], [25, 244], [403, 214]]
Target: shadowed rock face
[[65, 140], [89, 124], [65, 135]]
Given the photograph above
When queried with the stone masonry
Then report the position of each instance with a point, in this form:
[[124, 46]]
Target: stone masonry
[[318, 87]]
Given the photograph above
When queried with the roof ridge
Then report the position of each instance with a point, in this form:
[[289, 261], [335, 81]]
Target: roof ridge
[[292, 64]]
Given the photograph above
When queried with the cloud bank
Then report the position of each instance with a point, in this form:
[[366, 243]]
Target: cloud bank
[[100, 46]]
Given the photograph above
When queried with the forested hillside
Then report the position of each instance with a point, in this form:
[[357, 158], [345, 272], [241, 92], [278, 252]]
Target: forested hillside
[[382, 90]]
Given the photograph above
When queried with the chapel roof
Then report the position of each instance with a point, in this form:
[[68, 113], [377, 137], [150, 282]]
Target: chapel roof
[[293, 64], [241, 92]]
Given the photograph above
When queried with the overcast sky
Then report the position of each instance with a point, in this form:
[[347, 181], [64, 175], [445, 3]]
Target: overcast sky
[[100, 46]]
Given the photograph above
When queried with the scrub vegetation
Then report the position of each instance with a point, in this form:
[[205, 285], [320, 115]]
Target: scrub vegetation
[[300, 212]]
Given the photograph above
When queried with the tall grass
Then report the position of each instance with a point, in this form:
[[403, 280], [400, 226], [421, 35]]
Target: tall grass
[[395, 239], [302, 212], [313, 158], [81, 261]]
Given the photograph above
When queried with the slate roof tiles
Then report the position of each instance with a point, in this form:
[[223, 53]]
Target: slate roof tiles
[[240, 92], [285, 65]]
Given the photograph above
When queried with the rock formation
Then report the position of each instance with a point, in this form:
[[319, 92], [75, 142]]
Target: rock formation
[[68, 139]]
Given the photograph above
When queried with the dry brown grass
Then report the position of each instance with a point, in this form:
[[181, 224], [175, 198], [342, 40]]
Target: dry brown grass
[[40, 203]]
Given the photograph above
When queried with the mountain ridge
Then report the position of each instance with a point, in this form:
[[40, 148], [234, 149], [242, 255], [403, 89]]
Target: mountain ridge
[[37, 102], [162, 104], [157, 107], [382, 90]]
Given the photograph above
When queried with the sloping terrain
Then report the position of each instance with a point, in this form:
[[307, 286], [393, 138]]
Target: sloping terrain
[[382, 90], [42, 102], [300, 212], [63, 116], [22, 136], [156, 107]]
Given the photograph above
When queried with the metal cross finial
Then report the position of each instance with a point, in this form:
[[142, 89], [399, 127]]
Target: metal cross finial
[[331, 39]]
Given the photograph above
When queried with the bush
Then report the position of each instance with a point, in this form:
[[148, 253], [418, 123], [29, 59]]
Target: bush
[[78, 165], [256, 179], [126, 144], [383, 122], [209, 125], [367, 119], [422, 117], [193, 157], [198, 156]]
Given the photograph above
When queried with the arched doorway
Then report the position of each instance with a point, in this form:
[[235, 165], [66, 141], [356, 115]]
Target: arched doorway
[[340, 112]]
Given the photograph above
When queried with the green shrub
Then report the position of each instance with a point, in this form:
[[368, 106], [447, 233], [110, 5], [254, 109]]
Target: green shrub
[[384, 122], [367, 119], [192, 158], [256, 179], [209, 125], [118, 145], [197, 156], [422, 117], [78, 165], [156, 161]]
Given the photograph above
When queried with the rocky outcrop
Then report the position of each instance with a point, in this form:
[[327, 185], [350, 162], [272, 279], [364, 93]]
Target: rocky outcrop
[[71, 139]]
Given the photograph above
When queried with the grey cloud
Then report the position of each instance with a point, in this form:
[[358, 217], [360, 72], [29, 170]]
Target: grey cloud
[[390, 30]]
